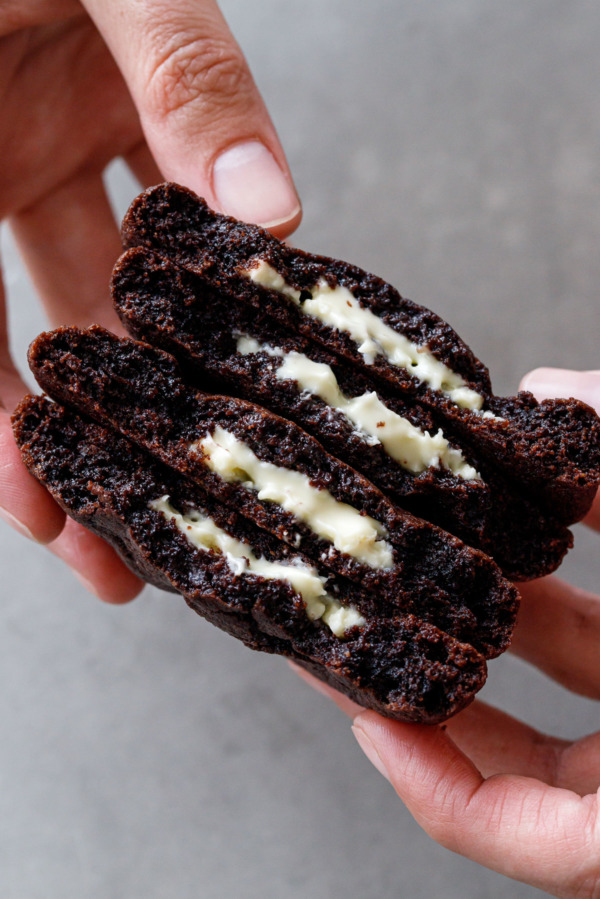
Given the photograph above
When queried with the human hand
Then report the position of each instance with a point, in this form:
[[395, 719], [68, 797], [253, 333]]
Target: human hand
[[163, 85], [488, 786]]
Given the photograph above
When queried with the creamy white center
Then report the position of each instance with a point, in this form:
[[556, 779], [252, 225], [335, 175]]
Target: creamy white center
[[350, 532], [205, 535], [414, 449], [338, 308]]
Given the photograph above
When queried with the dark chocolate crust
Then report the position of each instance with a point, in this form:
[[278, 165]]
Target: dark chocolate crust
[[128, 419], [173, 220], [398, 665], [551, 449], [158, 301], [137, 390]]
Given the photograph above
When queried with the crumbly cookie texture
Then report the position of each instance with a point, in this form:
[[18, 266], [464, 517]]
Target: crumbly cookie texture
[[408, 564], [194, 283], [317, 464], [398, 664]]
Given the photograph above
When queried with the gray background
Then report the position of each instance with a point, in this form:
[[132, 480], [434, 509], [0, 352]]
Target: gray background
[[453, 148]]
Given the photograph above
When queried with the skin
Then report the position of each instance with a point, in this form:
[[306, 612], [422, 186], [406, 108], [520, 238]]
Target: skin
[[488, 786], [163, 85]]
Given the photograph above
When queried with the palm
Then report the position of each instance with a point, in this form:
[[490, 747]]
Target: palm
[[65, 114], [65, 108]]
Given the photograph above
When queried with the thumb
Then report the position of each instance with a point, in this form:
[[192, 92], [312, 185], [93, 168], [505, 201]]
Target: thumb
[[203, 117], [547, 383], [519, 826]]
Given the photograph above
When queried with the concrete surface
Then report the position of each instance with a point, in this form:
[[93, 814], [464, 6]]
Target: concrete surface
[[452, 147]]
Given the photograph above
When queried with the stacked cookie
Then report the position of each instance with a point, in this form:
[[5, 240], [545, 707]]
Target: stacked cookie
[[324, 472]]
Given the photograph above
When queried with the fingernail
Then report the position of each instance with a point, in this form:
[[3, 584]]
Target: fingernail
[[548, 383], [16, 524], [369, 750], [249, 184]]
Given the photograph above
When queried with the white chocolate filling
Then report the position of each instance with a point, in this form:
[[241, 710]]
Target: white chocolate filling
[[345, 527], [338, 308], [414, 449], [202, 532]]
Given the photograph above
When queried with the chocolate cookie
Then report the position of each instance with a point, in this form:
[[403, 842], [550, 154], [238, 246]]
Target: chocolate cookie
[[396, 664], [550, 449], [289, 474], [400, 446], [279, 477]]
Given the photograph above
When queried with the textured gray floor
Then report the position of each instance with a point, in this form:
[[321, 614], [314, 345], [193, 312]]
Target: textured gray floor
[[452, 147]]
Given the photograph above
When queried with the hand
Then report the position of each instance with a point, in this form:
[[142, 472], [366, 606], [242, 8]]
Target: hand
[[163, 85], [489, 786]]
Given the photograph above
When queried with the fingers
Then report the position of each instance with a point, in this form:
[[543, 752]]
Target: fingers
[[24, 503], [69, 241], [515, 825], [12, 387], [558, 630], [96, 564], [592, 519], [140, 161], [499, 744], [29, 13], [548, 383], [30, 510], [203, 118], [343, 702]]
